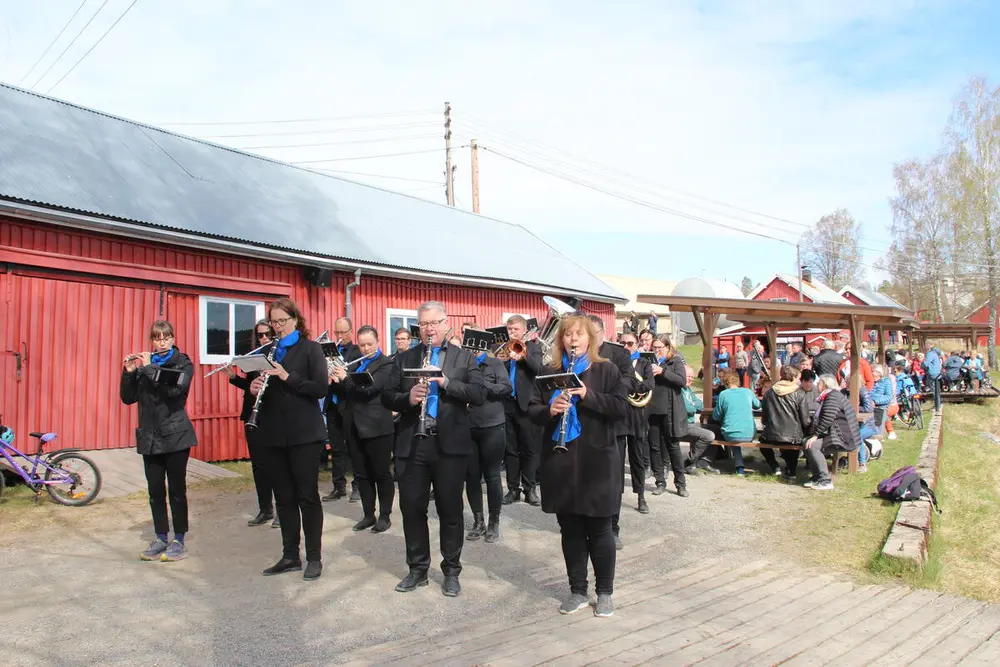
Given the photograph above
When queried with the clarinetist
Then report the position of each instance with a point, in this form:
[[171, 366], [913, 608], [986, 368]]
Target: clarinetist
[[442, 455], [290, 436], [582, 485]]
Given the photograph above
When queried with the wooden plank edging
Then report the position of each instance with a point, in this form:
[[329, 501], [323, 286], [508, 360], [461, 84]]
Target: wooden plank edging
[[911, 531]]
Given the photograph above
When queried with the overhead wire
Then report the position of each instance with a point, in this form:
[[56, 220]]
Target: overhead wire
[[68, 46], [51, 44], [280, 121], [341, 143], [368, 128], [370, 157], [359, 173], [99, 40]]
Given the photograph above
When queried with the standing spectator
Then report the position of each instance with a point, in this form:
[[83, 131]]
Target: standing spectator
[[651, 322], [741, 360], [828, 361], [795, 355], [667, 414], [722, 363], [734, 414], [633, 323], [756, 365], [932, 364]]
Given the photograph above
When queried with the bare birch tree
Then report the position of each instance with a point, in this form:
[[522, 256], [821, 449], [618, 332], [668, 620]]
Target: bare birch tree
[[831, 249]]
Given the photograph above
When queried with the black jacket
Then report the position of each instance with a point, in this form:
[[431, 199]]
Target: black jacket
[[289, 410], [164, 426], [350, 352], [586, 479], [524, 374], [243, 382], [837, 423], [827, 362], [465, 388], [668, 400], [638, 418], [622, 360], [785, 414], [362, 406], [497, 383]]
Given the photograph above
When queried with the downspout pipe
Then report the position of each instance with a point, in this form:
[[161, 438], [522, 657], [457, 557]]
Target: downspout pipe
[[348, 307]]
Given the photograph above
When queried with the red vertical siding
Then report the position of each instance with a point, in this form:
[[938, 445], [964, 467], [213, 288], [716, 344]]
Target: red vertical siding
[[982, 316], [76, 321], [779, 289]]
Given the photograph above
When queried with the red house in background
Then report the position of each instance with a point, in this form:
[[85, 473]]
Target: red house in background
[[107, 225], [866, 297], [981, 315]]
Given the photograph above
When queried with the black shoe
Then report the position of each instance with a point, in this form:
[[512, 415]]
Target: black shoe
[[411, 582], [691, 470], [513, 496], [682, 491], [493, 529], [451, 588], [660, 488], [478, 527], [261, 518], [531, 497], [336, 494], [364, 524], [282, 566], [707, 467], [642, 506], [314, 569], [355, 494], [382, 524]]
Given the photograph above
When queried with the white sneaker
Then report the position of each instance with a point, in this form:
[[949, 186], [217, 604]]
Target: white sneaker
[[810, 484], [822, 486], [892, 436]]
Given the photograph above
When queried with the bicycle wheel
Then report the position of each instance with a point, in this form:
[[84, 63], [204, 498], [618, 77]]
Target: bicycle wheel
[[85, 484], [918, 413]]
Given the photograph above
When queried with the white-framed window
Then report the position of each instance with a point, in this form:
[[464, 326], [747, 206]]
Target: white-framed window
[[394, 319], [226, 327]]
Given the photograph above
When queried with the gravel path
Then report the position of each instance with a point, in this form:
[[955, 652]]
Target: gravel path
[[76, 594]]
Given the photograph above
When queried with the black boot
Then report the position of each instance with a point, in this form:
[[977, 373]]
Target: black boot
[[355, 494], [513, 496], [493, 529], [478, 527], [642, 506], [531, 497], [259, 520]]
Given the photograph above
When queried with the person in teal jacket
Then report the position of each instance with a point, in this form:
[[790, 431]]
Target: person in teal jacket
[[734, 413]]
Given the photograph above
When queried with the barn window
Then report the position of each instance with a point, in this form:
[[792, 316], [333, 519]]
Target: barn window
[[226, 327], [394, 319]]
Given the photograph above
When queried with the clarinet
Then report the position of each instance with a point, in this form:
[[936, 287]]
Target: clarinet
[[252, 421], [561, 445], [422, 423]]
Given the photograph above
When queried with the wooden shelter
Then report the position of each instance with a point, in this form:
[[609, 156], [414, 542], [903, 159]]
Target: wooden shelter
[[968, 332]]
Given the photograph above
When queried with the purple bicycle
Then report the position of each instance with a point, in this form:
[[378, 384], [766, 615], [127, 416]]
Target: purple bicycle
[[70, 478]]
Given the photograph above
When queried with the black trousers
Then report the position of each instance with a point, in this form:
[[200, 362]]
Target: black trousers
[[340, 447], [583, 538], [261, 481], [638, 460], [661, 448], [163, 470], [371, 458], [488, 447], [415, 477], [524, 449], [294, 475]]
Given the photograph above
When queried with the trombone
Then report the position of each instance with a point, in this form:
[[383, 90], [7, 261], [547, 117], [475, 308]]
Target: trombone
[[233, 360]]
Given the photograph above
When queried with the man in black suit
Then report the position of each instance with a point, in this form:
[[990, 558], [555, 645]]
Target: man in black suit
[[339, 435], [617, 355], [439, 457], [524, 437]]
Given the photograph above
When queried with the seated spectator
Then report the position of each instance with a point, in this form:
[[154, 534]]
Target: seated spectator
[[834, 429], [807, 383], [953, 369], [786, 419], [882, 397], [734, 414], [700, 438]]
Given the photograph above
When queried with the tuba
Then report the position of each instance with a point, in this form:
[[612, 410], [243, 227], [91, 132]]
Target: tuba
[[547, 335], [639, 399]]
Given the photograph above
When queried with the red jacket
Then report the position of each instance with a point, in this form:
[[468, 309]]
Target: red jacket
[[866, 372]]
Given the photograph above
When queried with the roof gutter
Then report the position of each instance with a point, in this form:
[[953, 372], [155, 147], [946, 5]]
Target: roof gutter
[[146, 232]]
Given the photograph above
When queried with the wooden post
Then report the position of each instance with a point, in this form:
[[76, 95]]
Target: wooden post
[[475, 176], [975, 342], [706, 323], [857, 329], [881, 345], [771, 329]]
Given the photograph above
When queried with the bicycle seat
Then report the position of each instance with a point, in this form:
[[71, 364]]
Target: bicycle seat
[[44, 437]]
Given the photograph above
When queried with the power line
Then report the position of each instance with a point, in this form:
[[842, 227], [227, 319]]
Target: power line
[[51, 44], [369, 157], [386, 114], [68, 46], [340, 143], [358, 173], [372, 128], [100, 39]]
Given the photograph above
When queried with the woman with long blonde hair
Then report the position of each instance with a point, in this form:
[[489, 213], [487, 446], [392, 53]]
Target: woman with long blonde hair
[[582, 485]]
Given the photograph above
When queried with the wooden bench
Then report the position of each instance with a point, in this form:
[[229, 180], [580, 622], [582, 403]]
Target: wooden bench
[[852, 457]]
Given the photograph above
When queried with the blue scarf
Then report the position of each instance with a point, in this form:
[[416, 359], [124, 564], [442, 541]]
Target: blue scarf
[[285, 343], [432, 389], [364, 364], [635, 355], [160, 359], [573, 427], [480, 358], [513, 383], [660, 360]]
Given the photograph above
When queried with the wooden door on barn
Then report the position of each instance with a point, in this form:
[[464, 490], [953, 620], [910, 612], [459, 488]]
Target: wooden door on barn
[[63, 342]]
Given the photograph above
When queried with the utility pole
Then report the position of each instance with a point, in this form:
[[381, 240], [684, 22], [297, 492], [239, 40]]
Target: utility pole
[[798, 261], [449, 172], [475, 176]]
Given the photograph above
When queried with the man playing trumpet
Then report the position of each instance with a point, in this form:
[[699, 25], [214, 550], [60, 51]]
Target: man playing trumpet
[[523, 435]]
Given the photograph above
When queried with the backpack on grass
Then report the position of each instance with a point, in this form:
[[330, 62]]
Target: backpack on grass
[[906, 484]]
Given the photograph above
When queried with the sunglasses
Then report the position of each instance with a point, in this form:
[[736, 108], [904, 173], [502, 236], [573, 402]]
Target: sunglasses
[[263, 334], [629, 343]]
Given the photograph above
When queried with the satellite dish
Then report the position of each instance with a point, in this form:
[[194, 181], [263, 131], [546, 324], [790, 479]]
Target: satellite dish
[[704, 287]]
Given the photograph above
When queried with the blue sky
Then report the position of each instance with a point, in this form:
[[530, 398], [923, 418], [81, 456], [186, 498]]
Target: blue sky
[[790, 109]]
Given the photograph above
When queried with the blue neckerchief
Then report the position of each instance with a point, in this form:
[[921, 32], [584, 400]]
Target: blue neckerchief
[[364, 364], [634, 355], [513, 382], [284, 343], [160, 359], [573, 428], [480, 358], [432, 389], [660, 360]]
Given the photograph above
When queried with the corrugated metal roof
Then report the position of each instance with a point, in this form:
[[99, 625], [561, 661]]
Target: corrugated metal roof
[[61, 155], [873, 298], [814, 289]]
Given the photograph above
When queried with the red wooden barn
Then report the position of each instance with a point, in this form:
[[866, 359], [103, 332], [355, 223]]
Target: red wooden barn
[[981, 315], [107, 225]]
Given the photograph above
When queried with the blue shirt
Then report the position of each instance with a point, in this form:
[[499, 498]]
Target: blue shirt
[[734, 412]]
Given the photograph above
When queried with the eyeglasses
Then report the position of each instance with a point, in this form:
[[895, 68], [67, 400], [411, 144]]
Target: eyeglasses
[[281, 322], [341, 333], [430, 324], [160, 338]]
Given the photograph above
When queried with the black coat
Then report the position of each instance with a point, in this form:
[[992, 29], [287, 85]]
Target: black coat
[[289, 410], [668, 400], [349, 352], [586, 479], [525, 373], [827, 362], [497, 383], [362, 406], [164, 426], [837, 423], [465, 388], [243, 382], [786, 415], [638, 418], [622, 360]]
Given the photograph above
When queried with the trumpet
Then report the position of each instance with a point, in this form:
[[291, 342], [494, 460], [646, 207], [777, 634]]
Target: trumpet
[[232, 361], [512, 346]]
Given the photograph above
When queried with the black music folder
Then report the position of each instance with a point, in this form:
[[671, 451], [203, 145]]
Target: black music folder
[[500, 334], [532, 324], [363, 379], [477, 339], [648, 356], [419, 373], [558, 381], [415, 331], [168, 377]]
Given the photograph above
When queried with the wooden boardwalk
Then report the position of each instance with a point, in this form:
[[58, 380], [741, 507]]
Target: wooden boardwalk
[[122, 473], [726, 613]]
